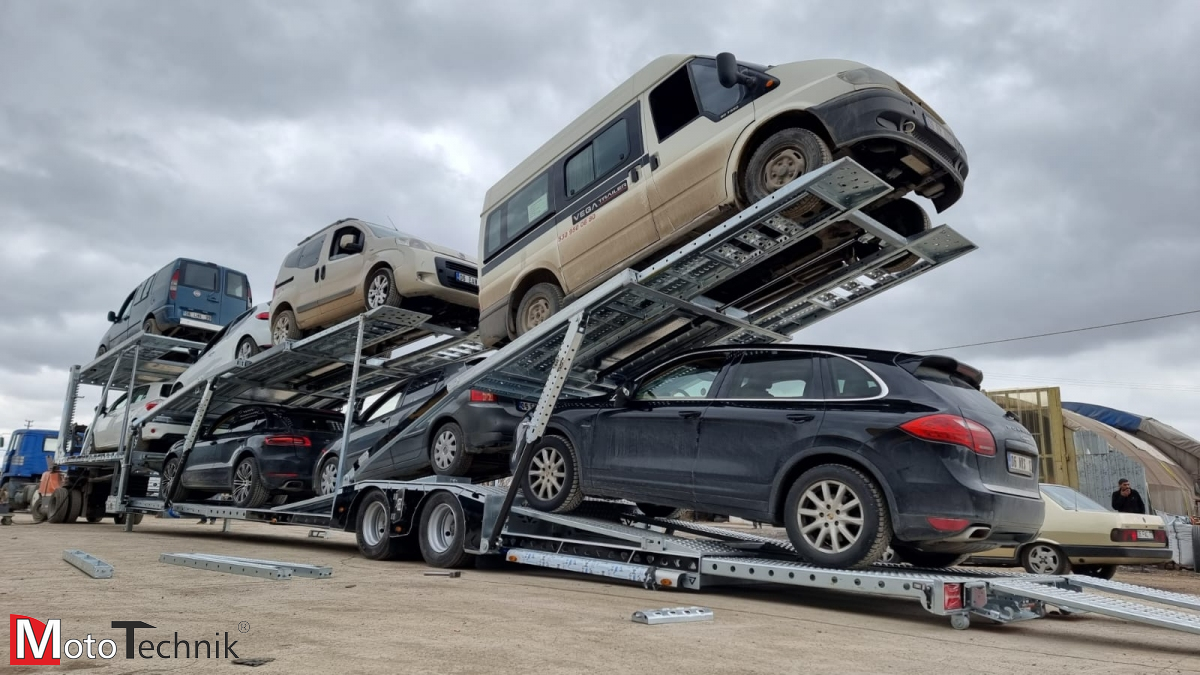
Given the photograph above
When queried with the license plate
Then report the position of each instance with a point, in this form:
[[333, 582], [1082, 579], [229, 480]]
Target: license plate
[[1145, 534], [1018, 463], [525, 407], [200, 316], [467, 278], [938, 129]]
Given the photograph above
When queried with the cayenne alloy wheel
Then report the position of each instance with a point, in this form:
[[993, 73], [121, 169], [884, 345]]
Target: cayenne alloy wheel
[[243, 482], [831, 516]]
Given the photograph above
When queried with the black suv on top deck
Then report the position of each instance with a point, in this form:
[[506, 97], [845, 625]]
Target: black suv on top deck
[[851, 450]]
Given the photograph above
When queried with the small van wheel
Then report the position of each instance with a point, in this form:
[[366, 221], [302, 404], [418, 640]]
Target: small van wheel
[[284, 327], [783, 157], [150, 327], [381, 289], [907, 219], [539, 303]]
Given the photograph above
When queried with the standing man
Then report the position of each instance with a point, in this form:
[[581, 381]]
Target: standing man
[[1126, 499]]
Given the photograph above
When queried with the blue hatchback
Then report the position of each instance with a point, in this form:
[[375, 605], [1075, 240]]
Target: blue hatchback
[[186, 298]]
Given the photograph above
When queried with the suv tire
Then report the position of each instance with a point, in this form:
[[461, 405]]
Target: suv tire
[[829, 536]]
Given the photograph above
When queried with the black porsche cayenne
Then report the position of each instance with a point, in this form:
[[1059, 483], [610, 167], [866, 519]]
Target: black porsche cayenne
[[851, 450]]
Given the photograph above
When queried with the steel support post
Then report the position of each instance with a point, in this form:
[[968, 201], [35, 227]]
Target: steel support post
[[349, 421], [541, 417], [89, 437], [126, 444], [189, 442], [66, 430]]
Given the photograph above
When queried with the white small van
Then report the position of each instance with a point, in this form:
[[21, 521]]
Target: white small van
[[682, 145]]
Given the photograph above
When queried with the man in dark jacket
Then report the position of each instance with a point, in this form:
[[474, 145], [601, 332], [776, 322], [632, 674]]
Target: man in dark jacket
[[1126, 499]]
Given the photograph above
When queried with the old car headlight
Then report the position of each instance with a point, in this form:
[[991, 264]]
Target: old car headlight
[[861, 77]]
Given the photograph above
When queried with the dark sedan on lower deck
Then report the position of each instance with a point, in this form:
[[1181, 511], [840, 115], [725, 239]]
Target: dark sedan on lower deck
[[851, 450]]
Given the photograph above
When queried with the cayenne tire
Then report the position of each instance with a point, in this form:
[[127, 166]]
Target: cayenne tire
[[169, 470], [552, 481], [444, 532], [248, 490], [836, 516], [1040, 558], [781, 158], [539, 303], [284, 327], [448, 451], [381, 290]]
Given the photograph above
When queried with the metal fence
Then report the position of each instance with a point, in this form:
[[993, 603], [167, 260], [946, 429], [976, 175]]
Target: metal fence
[[1100, 466], [1040, 411]]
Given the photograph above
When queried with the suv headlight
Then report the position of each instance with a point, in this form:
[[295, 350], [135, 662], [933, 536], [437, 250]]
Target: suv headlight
[[861, 77]]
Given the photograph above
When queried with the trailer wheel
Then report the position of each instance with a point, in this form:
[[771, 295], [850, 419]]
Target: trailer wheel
[[836, 516], [444, 531], [552, 481], [37, 507], [76, 506], [59, 505], [373, 530], [448, 451], [94, 513]]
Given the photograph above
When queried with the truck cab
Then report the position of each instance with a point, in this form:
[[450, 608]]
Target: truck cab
[[27, 455]]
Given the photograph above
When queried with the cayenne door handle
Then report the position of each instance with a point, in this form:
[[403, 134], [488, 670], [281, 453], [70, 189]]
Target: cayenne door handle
[[689, 414], [800, 418]]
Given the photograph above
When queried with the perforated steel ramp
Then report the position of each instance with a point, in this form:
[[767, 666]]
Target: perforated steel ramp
[[1108, 606], [151, 366], [1191, 602]]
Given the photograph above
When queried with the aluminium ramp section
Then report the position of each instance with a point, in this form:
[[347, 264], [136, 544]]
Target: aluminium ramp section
[[151, 366], [1087, 602]]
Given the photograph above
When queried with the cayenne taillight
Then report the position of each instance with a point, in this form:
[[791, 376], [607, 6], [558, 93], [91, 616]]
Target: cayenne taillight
[[174, 283], [302, 441], [943, 428], [1131, 535], [482, 396]]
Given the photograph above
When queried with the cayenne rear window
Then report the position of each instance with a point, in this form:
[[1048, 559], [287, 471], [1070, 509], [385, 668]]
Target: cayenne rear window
[[236, 285], [958, 391], [199, 276]]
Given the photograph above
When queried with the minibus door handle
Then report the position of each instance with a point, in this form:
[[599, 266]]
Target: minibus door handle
[[653, 162], [316, 275]]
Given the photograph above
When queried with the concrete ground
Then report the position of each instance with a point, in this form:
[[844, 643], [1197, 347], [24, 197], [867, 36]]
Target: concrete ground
[[389, 617]]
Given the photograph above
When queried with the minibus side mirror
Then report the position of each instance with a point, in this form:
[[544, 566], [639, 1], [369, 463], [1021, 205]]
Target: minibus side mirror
[[727, 70]]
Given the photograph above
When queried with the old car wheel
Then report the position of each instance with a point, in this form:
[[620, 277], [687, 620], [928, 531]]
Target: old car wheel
[[246, 348], [444, 531], [448, 451], [381, 290], [541, 302], [836, 516], [150, 327], [1044, 559], [284, 327], [552, 481], [248, 489], [783, 157], [327, 475]]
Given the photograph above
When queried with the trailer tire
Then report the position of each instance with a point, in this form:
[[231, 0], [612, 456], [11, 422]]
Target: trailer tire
[[443, 532], [76, 506], [94, 513], [373, 530], [549, 452], [59, 505]]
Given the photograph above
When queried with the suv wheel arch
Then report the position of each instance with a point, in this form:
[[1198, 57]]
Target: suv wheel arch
[[803, 461]]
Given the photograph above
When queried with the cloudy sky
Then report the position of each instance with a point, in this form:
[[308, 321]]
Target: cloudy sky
[[132, 133]]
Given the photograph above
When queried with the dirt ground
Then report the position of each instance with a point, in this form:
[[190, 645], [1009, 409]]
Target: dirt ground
[[389, 617]]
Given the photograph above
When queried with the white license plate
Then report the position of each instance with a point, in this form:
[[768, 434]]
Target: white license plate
[[467, 278], [525, 407], [938, 129], [1145, 534], [1018, 463], [199, 316]]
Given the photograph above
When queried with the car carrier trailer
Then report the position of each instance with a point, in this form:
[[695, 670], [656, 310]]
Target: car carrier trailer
[[589, 347]]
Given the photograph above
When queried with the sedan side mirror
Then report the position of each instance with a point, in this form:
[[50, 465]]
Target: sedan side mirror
[[621, 397], [112, 316]]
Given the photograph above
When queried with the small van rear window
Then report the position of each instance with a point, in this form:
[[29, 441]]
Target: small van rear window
[[236, 285], [199, 276]]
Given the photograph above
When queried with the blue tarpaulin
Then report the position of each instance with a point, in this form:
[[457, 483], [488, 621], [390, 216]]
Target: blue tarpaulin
[[1119, 419]]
